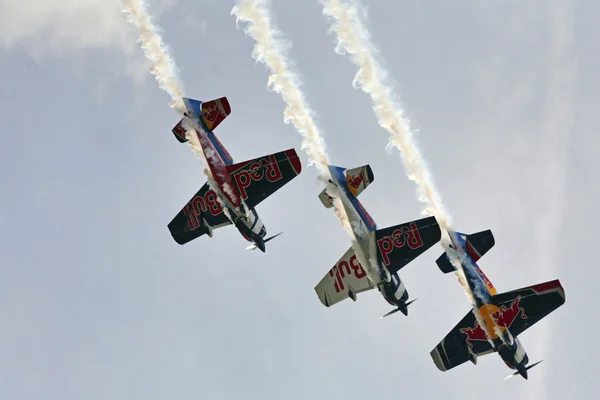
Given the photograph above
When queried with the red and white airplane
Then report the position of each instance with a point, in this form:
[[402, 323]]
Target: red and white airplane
[[237, 189]]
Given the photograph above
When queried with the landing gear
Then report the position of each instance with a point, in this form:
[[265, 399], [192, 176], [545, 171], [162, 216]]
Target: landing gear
[[352, 295], [472, 357], [207, 229]]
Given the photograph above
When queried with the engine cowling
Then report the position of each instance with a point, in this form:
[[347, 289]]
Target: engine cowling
[[394, 291]]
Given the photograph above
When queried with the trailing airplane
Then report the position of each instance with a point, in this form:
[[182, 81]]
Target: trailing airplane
[[382, 251], [238, 188], [506, 315]]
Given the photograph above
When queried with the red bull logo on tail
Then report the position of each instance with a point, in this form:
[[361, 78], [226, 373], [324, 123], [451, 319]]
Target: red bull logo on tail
[[213, 113], [354, 182], [496, 318]]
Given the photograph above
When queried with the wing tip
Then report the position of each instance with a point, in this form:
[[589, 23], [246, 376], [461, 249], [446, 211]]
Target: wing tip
[[294, 160], [437, 359], [226, 105]]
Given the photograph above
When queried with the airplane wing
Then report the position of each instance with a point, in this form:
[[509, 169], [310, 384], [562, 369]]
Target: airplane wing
[[202, 210], [464, 341], [347, 274], [399, 245], [516, 310], [259, 178], [521, 308]]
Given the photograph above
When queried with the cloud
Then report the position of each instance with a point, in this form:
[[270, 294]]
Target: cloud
[[55, 27]]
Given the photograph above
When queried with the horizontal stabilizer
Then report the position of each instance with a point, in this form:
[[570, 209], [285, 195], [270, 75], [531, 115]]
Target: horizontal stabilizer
[[326, 199], [179, 131], [399, 245], [444, 264], [479, 243], [357, 179], [210, 113]]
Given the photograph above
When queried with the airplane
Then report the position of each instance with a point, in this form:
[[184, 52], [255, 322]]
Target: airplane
[[506, 315], [237, 188], [382, 251]]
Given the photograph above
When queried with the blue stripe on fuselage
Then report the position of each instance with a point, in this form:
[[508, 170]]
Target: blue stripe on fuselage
[[470, 267], [194, 108], [338, 175]]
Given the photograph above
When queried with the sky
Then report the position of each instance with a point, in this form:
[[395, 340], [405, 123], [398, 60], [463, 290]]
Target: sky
[[97, 299]]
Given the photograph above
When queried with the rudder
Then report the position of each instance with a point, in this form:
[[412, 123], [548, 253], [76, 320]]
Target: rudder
[[357, 179], [211, 113], [480, 243]]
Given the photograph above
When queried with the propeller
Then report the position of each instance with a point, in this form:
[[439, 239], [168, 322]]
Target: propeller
[[272, 237], [403, 308], [254, 246], [523, 371]]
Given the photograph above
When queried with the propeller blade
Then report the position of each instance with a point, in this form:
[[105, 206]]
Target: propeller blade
[[511, 375], [391, 312], [527, 368], [251, 247], [533, 365], [272, 237], [410, 302]]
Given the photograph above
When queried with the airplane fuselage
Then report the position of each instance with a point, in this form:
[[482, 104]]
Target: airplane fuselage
[[508, 347], [245, 220], [363, 227]]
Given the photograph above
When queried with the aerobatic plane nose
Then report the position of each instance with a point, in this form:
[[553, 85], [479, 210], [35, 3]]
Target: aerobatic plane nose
[[523, 373], [260, 244]]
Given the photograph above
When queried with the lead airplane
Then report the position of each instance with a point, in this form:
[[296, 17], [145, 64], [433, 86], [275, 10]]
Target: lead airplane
[[383, 251], [238, 188], [506, 315]]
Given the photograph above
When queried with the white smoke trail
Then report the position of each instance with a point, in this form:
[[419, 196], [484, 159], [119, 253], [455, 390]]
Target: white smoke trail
[[354, 39], [164, 71], [269, 50], [163, 66]]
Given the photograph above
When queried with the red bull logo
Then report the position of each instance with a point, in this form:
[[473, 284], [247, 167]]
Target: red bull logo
[[199, 205], [213, 113], [406, 235], [344, 268], [257, 171], [354, 182], [497, 320]]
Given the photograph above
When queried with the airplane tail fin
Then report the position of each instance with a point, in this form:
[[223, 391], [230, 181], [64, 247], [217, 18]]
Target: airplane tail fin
[[211, 113], [476, 244], [357, 179], [480, 243], [399, 245]]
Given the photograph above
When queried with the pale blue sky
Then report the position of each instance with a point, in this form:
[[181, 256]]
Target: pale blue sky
[[99, 302]]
